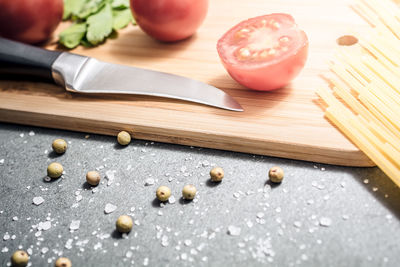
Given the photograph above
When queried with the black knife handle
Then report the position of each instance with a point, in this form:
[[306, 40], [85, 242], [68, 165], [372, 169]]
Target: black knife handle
[[20, 59]]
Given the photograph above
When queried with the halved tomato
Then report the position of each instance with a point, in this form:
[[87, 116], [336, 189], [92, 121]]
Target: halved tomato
[[264, 53]]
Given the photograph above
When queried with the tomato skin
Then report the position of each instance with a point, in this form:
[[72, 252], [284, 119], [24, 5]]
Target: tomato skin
[[169, 20], [269, 75], [30, 21]]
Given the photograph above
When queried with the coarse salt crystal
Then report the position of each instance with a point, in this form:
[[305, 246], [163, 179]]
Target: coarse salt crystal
[[297, 224], [110, 176], [149, 181], [38, 200], [171, 200], [324, 221], [260, 215], [44, 226], [233, 230], [109, 208], [74, 225], [6, 237]]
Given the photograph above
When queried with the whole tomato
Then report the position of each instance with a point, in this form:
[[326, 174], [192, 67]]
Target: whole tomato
[[30, 21], [169, 20]]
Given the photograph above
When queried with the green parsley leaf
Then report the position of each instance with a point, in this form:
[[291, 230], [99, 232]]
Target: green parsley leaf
[[100, 25], [120, 4], [91, 7], [86, 43], [72, 7], [121, 18], [72, 36]]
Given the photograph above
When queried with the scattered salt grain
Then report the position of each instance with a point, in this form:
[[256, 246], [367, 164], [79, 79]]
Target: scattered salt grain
[[37, 200], [149, 181], [324, 221], [110, 176], [68, 245], [233, 230], [297, 224], [31, 133], [6, 237], [97, 246], [171, 200], [164, 241], [15, 218], [1, 161], [109, 208], [205, 163], [4, 250], [260, 215], [366, 181], [44, 250], [188, 242], [44, 226], [74, 225]]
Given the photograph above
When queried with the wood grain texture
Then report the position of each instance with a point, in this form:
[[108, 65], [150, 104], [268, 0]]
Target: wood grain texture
[[285, 123]]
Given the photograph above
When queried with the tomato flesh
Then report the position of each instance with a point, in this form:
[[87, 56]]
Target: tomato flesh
[[264, 53], [169, 20]]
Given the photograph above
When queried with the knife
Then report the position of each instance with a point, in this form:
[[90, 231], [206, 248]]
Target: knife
[[82, 74]]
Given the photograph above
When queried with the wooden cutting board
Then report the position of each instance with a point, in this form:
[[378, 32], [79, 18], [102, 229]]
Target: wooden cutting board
[[285, 123]]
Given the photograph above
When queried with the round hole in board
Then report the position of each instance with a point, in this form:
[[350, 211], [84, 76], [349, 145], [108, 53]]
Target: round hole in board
[[347, 40]]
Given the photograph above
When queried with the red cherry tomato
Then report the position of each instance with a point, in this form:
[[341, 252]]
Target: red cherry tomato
[[30, 21], [264, 53], [169, 20]]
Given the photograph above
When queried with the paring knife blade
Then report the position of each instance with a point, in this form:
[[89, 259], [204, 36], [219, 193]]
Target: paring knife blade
[[88, 75]]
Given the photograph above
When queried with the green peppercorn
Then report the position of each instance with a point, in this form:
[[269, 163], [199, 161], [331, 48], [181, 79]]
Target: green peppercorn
[[163, 193], [189, 192], [55, 170], [93, 178], [59, 146], [124, 138], [124, 224], [63, 262], [19, 259], [217, 174], [275, 174]]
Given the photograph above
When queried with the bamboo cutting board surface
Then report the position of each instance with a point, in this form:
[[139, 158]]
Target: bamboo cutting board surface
[[285, 123]]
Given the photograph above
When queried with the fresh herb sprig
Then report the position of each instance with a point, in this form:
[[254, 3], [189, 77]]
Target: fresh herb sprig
[[93, 21]]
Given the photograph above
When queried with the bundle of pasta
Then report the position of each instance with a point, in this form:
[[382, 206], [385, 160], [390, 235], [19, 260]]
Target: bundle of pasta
[[364, 99]]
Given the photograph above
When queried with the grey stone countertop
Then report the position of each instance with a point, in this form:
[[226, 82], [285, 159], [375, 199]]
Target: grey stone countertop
[[321, 215]]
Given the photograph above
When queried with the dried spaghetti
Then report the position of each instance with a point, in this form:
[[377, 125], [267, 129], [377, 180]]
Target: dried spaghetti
[[364, 102]]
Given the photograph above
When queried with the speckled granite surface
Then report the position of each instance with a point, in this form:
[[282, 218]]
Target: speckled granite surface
[[321, 215]]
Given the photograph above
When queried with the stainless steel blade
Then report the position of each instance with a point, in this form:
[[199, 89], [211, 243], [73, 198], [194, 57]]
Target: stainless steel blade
[[88, 75]]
